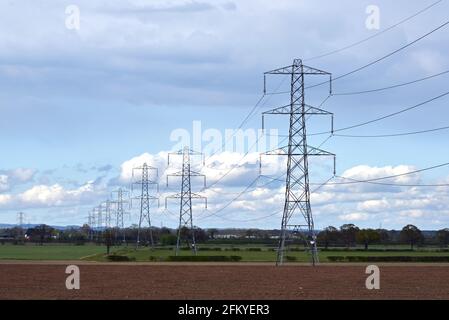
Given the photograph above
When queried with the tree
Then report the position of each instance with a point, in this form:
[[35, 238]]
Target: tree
[[327, 236], [41, 233], [367, 236], [443, 237], [108, 238], [200, 235], [168, 239], [349, 233], [412, 235], [384, 236], [212, 233]]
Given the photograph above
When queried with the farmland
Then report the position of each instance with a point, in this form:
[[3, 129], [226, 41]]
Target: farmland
[[90, 252], [231, 281]]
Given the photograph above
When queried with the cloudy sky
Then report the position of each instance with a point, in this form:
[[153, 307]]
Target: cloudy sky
[[80, 107]]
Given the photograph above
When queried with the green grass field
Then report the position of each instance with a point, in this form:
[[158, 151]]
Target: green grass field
[[266, 254], [48, 252]]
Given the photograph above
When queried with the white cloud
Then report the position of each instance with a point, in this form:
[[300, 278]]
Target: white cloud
[[364, 172], [22, 174], [4, 199], [374, 205], [157, 161], [41, 196], [354, 217], [4, 182]]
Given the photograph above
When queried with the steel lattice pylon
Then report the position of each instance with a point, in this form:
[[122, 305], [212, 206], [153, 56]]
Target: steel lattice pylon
[[145, 198], [186, 195], [297, 192], [120, 211]]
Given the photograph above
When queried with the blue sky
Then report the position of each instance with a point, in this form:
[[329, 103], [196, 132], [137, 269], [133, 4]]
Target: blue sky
[[80, 107]]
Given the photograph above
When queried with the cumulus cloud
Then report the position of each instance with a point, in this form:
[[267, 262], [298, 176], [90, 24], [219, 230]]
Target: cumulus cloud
[[14, 177], [45, 196], [235, 199], [354, 217], [4, 182], [158, 161]]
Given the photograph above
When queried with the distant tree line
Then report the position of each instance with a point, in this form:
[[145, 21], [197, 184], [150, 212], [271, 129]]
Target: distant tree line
[[348, 235]]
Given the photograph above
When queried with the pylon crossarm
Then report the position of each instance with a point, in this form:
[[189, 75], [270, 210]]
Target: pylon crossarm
[[279, 110], [316, 111], [173, 196], [293, 69]]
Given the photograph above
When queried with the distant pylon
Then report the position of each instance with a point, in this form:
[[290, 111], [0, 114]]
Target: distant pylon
[[145, 198], [97, 220], [20, 221], [297, 191], [91, 223], [120, 211], [186, 195], [106, 213]]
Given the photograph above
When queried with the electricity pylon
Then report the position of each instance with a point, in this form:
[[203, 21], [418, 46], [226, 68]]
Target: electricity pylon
[[105, 209], [91, 223], [120, 211], [145, 198], [97, 220], [186, 195], [20, 220], [297, 191]]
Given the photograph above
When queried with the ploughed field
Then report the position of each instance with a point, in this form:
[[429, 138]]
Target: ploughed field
[[46, 280]]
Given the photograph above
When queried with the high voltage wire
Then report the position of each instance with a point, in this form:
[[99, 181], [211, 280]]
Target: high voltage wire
[[390, 177], [251, 220], [250, 114], [393, 134], [381, 178], [397, 184], [383, 117], [238, 165], [390, 87], [233, 200], [383, 57], [246, 191], [394, 113], [248, 117], [257, 105], [375, 35], [257, 187], [377, 89]]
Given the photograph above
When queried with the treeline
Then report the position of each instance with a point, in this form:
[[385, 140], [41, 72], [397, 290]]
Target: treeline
[[42, 234], [348, 235]]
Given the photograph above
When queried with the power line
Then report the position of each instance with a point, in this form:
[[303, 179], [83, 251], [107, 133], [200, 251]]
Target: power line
[[251, 113], [238, 165], [251, 190], [389, 177], [397, 184], [393, 134], [246, 191], [248, 116], [233, 200], [383, 117], [383, 57], [320, 185], [373, 36], [251, 220], [377, 89], [392, 86]]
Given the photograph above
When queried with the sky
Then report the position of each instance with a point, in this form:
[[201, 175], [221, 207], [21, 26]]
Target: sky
[[81, 104]]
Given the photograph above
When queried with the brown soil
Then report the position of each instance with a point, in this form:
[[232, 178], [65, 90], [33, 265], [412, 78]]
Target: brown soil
[[114, 281]]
